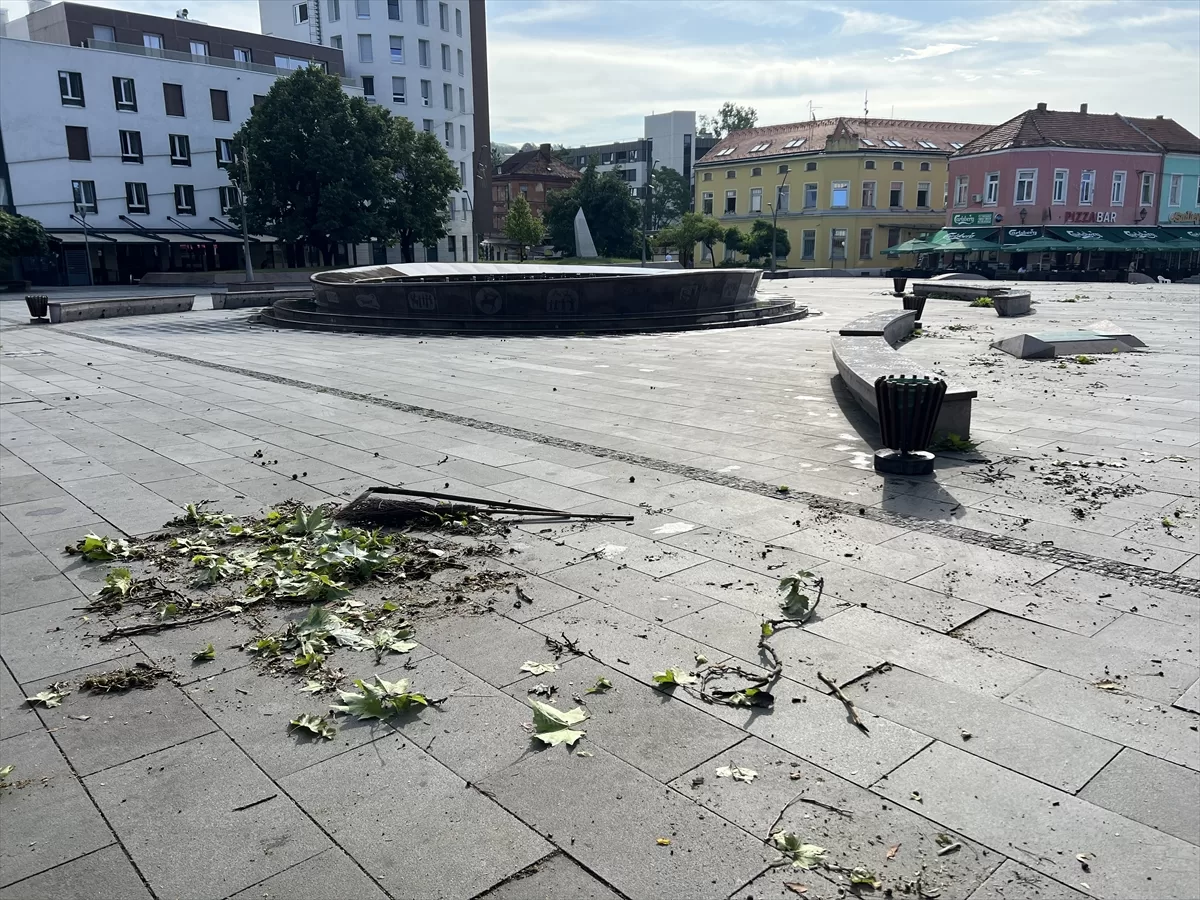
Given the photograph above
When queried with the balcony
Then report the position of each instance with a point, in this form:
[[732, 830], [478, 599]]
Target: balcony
[[180, 56]]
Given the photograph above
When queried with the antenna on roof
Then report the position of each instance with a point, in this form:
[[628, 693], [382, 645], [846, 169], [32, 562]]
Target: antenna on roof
[[865, 112], [812, 114]]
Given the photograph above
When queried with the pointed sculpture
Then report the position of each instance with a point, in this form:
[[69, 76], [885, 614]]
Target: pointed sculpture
[[585, 247]]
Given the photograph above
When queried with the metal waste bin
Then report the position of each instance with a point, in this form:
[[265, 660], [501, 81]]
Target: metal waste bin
[[908, 411], [898, 284], [38, 304], [916, 303]]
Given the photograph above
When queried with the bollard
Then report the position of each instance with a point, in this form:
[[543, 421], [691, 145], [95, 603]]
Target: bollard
[[908, 411]]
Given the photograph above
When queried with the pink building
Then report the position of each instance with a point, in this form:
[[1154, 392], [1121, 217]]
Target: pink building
[[1047, 167]]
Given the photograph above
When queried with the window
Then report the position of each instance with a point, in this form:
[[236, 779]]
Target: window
[[839, 194], [462, 103], [299, 13], [1198, 193], [894, 143], [423, 54], [124, 94], [185, 200], [224, 152], [458, 23], [448, 96], [1087, 186], [896, 195], [399, 89], [795, 142], [462, 136], [783, 195], [706, 203], [396, 43], [104, 33], [1060, 186], [808, 245], [991, 189], [898, 166], [368, 84], [707, 175], [1147, 189], [295, 62], [462, 181], [869, 164], [426, 94], [422, 12], [84, 195], [1117, 197], [335, 10], [1174, 189], [868, 143], [759, 148], [427, 126], [394, 10], [335, 41], [198, 48], [366, 53], [220, 104], [893, 237], [755, 200], [173, 99], [810, 196], [228, 195], [449, 127], [731, 203], [756, 172], [868, 195], [243, 55], [923, 188], [362, 9], [137, 198], [131, 146], [924, 167], [181, 150], [731, 173], [70, 88], [837, 243], [955, 145], [259, 99], [1026, 189], [810, 167], [866, 242], [77, 143], [445, 57], [962, 187], [153, 41], [783, 170], [461, 63], [444, 16]]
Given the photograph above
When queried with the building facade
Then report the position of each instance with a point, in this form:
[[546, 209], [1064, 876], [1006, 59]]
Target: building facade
[[417, 58], [669, 139], [532, 174], [1179, 186], [844, 190]]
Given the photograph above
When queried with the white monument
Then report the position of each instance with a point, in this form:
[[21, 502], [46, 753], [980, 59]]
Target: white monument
[[585, 247]]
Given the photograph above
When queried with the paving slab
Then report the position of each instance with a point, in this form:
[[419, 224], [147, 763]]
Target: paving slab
[[1167, 606], [553, 878], [638, 594], [28, 487], [732, 584], [772, 559], [175, 812], [928, 652], [105, 873], [610, 817], [52, 514], [649, 557], [328, 874], [918, 605], [390, 791], [1190, 699], [28, 578], [1056, 754], [1161, 639], [539, 555], [1151, 791], [1045, 828], [489, 646], [16, 716], [1013, 881], [47, 640], [48, 817]]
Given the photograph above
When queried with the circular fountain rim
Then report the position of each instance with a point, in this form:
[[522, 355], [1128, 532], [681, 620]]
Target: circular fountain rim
[[400, 273]]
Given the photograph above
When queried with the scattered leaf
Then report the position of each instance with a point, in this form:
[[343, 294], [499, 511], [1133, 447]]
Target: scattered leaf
[[663, 842], [206, 653], [553, 726], [802, 855], [767, 630], [602, 684], [535, 668], [379, 699], [5, 771], [675, 675], [795, 888], [584, 753], [51, 697], [796, 603], [860, 875], [737, 773], [1113, 687], [701, 659], [966, 735], [312, 687], [916, 795], [318, 726], [942, 839]]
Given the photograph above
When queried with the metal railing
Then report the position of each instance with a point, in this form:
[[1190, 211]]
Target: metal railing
[[180, 56]]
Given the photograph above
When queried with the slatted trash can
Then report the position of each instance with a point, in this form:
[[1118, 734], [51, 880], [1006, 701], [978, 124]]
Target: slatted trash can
[[913, 302], [899, 283], [908, 411], [38, 304]]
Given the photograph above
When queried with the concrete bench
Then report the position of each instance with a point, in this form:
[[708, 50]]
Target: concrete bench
[[115, 307], [865, 349], [948, 290], [1012, 305], [244, 299]]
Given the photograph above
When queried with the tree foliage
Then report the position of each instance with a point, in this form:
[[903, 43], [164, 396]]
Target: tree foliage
[[692, 229], [612, 215], [671, 197], [522, 226], [415, 207], [21, 236], [730, 117], [758, 244]]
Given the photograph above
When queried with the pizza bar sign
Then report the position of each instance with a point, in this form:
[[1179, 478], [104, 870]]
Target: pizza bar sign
[[1090, 217]]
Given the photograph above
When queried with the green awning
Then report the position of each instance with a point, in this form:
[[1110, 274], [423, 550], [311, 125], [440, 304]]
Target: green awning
[[965, 240], [1135, 238], [1183, 238], [1084, 238], [1030, 240], [915, 245]]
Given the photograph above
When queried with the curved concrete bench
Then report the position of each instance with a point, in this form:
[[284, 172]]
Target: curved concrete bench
[[244, 299], [948, 290], [114, 307], [864, 350]]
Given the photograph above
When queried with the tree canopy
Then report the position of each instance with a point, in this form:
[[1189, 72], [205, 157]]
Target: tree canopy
[[415, 207], [612, 214], [21, 236], [522, 226], [670, 199], [692, 229], [730, 117], [758, 245]]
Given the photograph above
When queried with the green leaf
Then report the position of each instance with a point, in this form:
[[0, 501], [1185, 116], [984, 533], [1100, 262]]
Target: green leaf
[[860, 875], [51, 697], [390, 639], [802, 855], [318, 726], [535, 668], [553, 726], [675, 675], [312, 687], [602, 684], [796, 603], [105, 549], [206, 653], [737, 773], [767, 629], [5, 771], [380, 699]]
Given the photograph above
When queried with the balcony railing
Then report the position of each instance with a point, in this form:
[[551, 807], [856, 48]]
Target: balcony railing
[[180, 56]]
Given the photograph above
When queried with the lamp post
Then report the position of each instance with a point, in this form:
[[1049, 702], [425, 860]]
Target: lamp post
[[81, 217], [649, 196], [242, 207], [775, 216]]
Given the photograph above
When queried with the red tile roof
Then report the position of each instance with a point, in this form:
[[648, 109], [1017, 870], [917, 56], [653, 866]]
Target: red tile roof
[[1041, 127], [1172, 136], [537, 164]]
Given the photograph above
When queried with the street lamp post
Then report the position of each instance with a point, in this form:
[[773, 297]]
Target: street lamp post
[[775, 216], [242, 207], [87, 247], [648, 197]]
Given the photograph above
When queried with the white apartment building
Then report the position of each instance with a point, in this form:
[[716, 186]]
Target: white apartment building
[[414, 57], [669, 139]]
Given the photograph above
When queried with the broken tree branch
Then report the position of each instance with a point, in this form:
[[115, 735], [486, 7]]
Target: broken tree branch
[[151, 627], [846, 701]]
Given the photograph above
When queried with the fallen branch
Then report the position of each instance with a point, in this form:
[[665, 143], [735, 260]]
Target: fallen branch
[[253, 803], [846, 701], [152, 627], [836, 809]]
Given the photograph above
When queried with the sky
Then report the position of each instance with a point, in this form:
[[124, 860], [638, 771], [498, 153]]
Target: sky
[[587, 71]]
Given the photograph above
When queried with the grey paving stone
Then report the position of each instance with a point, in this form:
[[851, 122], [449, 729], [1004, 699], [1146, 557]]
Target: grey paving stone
[[392, 790], [28, 578], [1060, 756], [1044, 827], [1151, 791], [540, 493], [488, 646], [773, 885], [1190, 699], [52, 514], [733, 585], [861, 836], [99, 731], [1151, 602], [918, 605], [270, 490], [1013, 881], [634, 592], [46, 640], [552, 878], [610, 816], [1140, 671], [48, 818], [540, 554], [770, 559], [175, 813], [105, 873], [16, 716], [328, 874], [26, 488], [1161, 639], [638, 553], [936, 655]]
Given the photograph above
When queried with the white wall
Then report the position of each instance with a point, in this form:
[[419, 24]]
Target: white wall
[[666, 130]]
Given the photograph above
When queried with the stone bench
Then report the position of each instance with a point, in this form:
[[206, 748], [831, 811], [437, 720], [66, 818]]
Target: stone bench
[[944, 290], [865, 349], [1015, 304], [116, 307], [245, 299]]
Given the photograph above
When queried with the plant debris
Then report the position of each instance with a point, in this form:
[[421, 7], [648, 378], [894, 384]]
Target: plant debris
[[602, 684], [51, 697], [536, 668], [793, 849], [140, 675], [737, 773], [675, 675], [553, 726], [208, 652], [846, 701], [317, 726], [379, 699]]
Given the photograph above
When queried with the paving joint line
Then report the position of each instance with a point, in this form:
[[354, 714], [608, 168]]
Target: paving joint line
[[1122, 571]]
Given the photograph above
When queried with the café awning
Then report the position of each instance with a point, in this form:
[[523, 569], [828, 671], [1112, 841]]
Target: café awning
[[914, 245], [1135, 238], [77, 237], [1083, 238], [1183, 238], [1030, 240], [965, 240]]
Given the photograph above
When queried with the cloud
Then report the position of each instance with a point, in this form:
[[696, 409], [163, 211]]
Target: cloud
[[929, 52], [856, 20], [543, 13]]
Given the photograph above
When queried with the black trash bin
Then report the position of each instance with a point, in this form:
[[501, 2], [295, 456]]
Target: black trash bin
[[38, 304], [908, 411], [916, 303], [898, 284]]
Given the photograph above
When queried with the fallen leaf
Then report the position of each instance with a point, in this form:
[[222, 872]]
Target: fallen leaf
[[1113, 687], [318, 726], [553, 726], [675, 675], [663, 842], [736, 773], [5, 771], [51, 697], [892, 851], [602, 684], [860, 875], [943, 839], [534, 668], [701, 659], [204, 653], [584, 753], [795, 888], [802, 855], [917, 796]]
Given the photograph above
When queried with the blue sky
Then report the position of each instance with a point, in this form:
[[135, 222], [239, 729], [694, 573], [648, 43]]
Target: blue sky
[[580, 71]]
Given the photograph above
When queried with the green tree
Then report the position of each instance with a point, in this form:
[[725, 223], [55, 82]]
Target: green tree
[[20, 236], [758, 244], [416, 203], [734, 239], [671, 197], [691, 229], [612, 214], [730, 117], [522, 226]]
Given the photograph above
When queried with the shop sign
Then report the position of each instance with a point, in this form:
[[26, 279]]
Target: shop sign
[[965, 220], [1185, 218], [1085, 235], [1090, 217], [1022, 232]]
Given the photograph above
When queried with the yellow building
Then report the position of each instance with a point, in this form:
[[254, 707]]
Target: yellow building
[[846, 189]]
